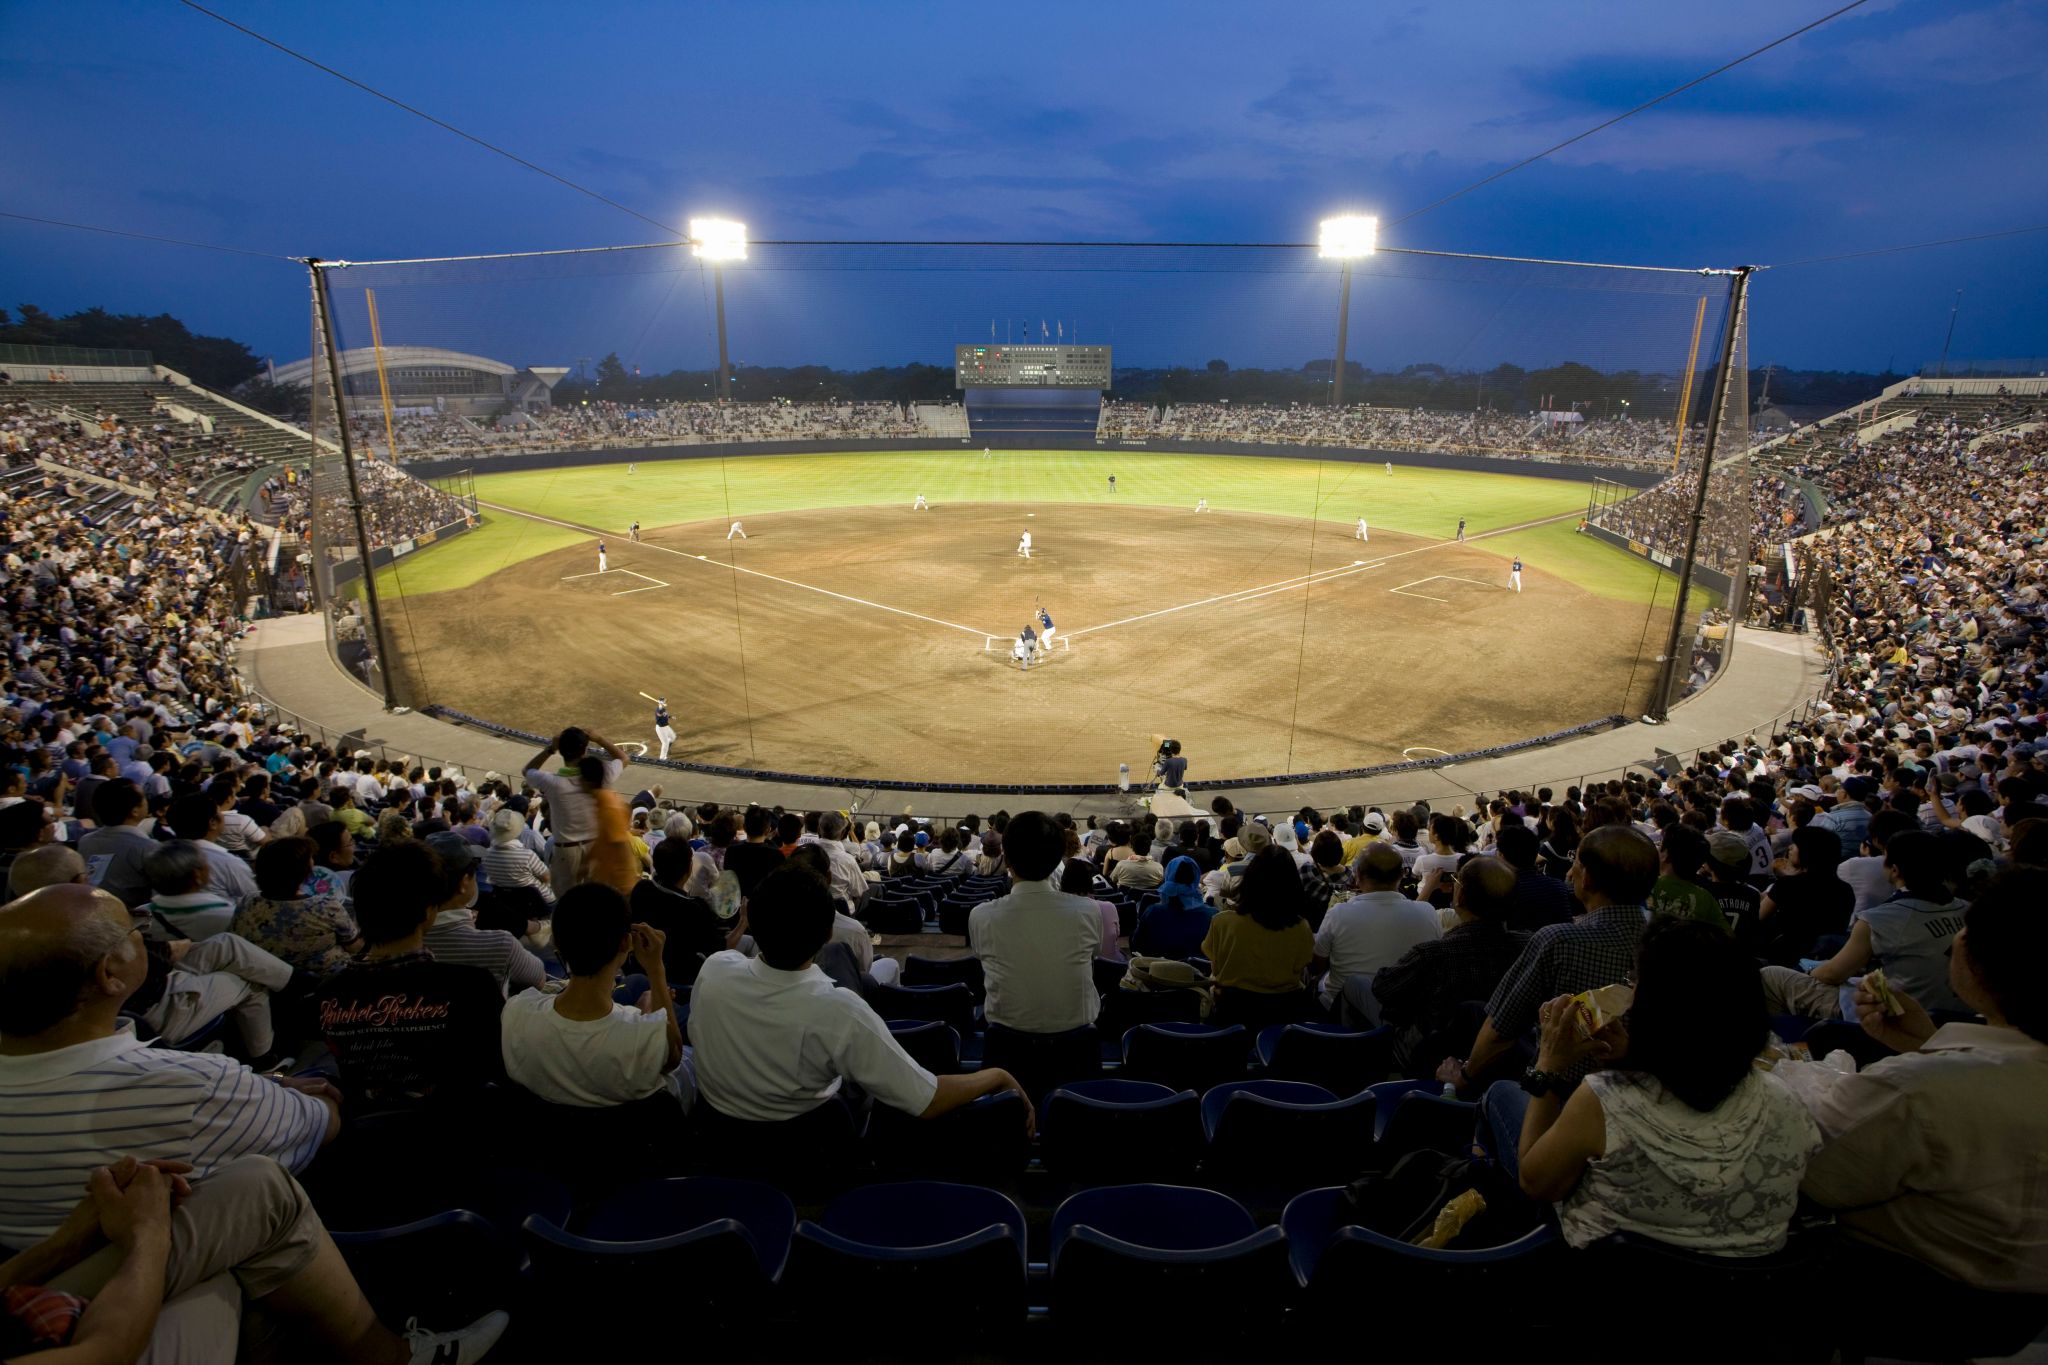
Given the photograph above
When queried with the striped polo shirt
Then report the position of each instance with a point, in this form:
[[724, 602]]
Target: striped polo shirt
[[67, 1111]]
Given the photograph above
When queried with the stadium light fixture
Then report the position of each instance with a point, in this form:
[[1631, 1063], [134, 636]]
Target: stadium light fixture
[[1346, 238], [718, 239]]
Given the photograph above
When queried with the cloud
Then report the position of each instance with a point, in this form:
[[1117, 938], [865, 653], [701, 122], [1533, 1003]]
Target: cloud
[[1312, 95]]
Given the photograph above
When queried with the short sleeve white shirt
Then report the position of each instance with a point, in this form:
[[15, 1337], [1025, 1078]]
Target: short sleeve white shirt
[[590, 1063], [769, 1044]]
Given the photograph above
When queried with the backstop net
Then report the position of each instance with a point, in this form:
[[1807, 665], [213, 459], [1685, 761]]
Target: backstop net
[[1561, 411]]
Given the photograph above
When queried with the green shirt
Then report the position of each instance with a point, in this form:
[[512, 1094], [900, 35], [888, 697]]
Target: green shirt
[[1686, 900]]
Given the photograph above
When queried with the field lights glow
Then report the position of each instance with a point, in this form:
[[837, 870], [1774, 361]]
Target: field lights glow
[[1347, 237], [718, 239]]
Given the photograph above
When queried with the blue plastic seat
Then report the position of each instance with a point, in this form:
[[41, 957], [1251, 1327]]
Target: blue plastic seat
[[809, 1156], [1100, 1132], [658, 1209], [1281, 1137], [1342, 1061], [932, 1045], [956, 1251], [952, 1005], [1339, 1266], [981, 1142], [1414, 1115], [944, 971], [1155, 1242], [1186, 1056], [451, 1267]]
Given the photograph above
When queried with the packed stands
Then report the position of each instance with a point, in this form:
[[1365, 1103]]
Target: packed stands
[[632, 1043], [584, 426], [1486, 432]]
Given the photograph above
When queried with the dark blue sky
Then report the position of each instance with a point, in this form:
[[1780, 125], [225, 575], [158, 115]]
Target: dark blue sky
[[1907, 120]]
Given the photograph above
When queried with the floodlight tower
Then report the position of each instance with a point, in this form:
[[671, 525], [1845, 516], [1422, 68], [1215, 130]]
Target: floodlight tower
[[719, 240], [1346, 238]]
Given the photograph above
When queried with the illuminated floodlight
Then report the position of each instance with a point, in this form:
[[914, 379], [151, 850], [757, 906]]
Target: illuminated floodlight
[[1347, 237], [718, 239]]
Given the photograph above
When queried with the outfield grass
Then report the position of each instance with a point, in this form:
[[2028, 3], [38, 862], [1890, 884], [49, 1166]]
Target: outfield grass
[[1426, 502]]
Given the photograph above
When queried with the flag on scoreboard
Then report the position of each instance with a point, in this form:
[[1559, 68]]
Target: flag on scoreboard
[[1044, 332], [1061, 327]]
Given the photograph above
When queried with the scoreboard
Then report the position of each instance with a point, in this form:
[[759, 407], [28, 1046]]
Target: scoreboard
[[1031, 367]]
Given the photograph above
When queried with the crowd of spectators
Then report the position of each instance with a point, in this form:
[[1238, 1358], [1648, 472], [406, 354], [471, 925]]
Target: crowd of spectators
[[165, 457], [575, 426], [396, 506], [1485, 432], [241, 945]]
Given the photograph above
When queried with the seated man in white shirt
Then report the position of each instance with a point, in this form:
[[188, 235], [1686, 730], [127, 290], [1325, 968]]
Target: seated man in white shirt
[[773, 1039], [581, 1047], [1037, 945], [1373, 929]]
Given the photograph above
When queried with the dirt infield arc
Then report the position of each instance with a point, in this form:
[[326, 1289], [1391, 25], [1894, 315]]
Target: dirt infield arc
[[854, 641]]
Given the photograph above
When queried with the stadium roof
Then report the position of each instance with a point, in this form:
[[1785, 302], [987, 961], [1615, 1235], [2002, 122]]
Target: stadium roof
[[363, 360]]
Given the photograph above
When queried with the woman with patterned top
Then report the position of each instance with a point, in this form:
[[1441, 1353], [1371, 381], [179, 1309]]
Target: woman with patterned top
[[306, 925]]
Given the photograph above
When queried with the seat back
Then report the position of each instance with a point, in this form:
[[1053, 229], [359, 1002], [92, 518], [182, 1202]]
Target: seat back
[[1284, 1135], [951, 1004], [1186, 1056], [450, 1267], [932, 1045], [711, 1271], [1422, 1121], [944, 971], [957, 1251], [1041, 1061], [1336, 1264], [886, 913], [1099, 1132], [1342, 1061], [659, 1210], [983, 1142], [1157, 1244], [809, 1156]]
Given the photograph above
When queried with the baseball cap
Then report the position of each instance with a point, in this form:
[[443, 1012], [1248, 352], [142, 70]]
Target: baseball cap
[[1254, 837], [1728, 848], [1809, 792], [459, 852], [1375, 823]]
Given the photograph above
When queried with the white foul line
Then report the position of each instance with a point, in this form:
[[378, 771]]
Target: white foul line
[[682, 554], [1325, 576]]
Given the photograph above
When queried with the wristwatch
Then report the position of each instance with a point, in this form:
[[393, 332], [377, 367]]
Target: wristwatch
[[1541, 1083]]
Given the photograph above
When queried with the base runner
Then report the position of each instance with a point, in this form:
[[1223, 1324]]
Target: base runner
[[1515, 573], [602, 566]]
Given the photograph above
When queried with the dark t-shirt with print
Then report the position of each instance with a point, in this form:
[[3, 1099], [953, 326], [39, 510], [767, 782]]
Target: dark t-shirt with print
[[409, 1029]]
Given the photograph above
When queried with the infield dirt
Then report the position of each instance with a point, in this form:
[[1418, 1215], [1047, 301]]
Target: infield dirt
[[856, 642]]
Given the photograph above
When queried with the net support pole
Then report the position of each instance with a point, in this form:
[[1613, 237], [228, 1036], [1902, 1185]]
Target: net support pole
[[323, 305], [724, 362], [383, 383], [1343, 335], [1738, 304]]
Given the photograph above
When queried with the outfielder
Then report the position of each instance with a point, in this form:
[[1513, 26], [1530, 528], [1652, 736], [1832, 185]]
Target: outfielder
[[1461, 530], [1024, 545], [1201, 504], [736, 530], [1390, 469], [1515, 573], [663, 731], [1112, 483], [1364, 532]]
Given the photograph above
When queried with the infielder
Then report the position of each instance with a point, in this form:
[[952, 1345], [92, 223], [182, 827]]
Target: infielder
[[920, 505], [663, 731], [1045, 628], [1515, 573], [1364, 532], [633, 532], [602, 566], [736, 530], [1201, 504], [1024, 545]]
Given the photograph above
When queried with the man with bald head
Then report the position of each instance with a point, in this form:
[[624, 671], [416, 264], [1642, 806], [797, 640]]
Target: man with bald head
[[44, 865], [78, 1089], [1421, 993]]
